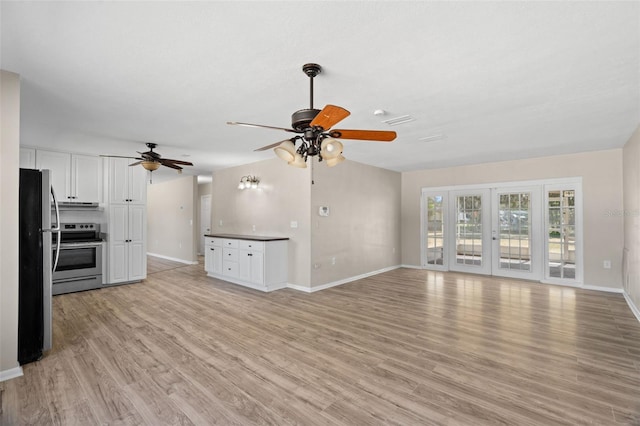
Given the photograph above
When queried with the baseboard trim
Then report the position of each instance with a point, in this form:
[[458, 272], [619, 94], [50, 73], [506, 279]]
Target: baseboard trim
[[600, 288], [412, 267], [10, 374], [632, 305], [343, 281], [186, 262]]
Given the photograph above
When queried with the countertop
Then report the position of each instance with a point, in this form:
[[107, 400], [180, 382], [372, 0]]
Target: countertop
[[246, 237]]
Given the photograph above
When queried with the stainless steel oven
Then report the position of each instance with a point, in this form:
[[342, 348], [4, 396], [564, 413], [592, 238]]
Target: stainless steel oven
[[79, 264]]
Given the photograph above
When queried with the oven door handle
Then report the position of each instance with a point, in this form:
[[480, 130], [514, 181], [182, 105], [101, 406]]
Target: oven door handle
[[80, 245]]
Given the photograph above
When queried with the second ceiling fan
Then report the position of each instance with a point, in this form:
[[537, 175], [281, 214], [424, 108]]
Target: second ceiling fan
[[313, 127]]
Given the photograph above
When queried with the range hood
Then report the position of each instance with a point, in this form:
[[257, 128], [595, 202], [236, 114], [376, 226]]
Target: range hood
[[77, 205]]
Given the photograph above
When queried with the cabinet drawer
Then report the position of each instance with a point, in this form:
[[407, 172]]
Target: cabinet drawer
[[229, 268], [230, 254], [229, 243], [210, 241], [251, 245]]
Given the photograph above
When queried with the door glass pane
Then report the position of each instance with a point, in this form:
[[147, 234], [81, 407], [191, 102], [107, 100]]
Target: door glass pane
[[469, 230], [514, 239], [561, 228], [435, 230]]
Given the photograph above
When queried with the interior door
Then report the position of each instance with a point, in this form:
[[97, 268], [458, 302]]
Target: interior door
[[515, 234], [470, 228]]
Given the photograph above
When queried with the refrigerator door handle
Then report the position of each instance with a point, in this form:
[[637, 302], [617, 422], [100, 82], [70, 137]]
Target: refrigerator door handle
[[56, 229]]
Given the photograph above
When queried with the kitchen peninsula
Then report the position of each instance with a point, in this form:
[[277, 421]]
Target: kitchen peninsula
[[253, 261]]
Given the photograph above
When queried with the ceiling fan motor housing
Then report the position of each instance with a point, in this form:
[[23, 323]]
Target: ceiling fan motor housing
[[300, 119]]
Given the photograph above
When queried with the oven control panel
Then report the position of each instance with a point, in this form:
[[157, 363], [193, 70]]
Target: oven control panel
[[71, 227]]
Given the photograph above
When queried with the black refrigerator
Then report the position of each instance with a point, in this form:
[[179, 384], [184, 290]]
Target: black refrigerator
[[36, 264]]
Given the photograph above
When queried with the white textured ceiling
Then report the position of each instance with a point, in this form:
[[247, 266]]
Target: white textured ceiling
[[499, 80]]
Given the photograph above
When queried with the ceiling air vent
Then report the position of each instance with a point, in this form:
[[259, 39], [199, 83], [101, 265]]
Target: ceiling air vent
[[433, 138], [399, 120]]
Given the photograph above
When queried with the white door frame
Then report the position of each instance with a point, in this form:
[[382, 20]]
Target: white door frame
[[204, 217]]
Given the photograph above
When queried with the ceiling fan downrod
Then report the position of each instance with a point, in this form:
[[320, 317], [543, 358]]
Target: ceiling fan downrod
[[311, 70]]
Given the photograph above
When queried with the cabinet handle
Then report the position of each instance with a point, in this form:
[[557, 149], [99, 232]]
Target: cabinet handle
[[249, 254], [212, 249]]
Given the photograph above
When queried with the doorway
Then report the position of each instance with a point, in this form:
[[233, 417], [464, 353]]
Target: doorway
[[526, 230], [205, 220]]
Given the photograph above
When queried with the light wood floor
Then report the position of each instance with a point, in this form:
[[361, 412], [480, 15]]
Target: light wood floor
[[404, 347]]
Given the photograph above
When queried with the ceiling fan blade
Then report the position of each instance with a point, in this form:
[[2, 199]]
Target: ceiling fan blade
[[184, 163], [365, 135], [273, 145], [329, 116], [237, 123], [120, 156], [172, 166], [135, 164]]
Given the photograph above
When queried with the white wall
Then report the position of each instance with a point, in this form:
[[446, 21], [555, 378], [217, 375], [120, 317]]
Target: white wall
[[362, 231], [601, 174], [9, 191], [171, 224], [283, 196], [631, 216]]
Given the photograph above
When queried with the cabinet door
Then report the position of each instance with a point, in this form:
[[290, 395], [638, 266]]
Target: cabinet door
[[213, 259], [137, 261], [137, 185], [208, 258], [118, 246], [244, 265], [217, 260], [118, 221], [27, 158], [86, 184], [118, 264], [60, 165], [137, 223], [118, 180], [257, 268]]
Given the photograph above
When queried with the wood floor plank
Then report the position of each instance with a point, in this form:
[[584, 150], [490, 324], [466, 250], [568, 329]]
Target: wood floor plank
[[403, 347]]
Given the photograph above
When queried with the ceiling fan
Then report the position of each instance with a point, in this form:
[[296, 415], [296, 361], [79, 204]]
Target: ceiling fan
[[315, 133], [151, 160]]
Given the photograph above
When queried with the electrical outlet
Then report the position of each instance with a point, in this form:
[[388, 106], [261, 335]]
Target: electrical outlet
[[294, 224], [254, 228], [220, 222], [606, 264], [333, 260]]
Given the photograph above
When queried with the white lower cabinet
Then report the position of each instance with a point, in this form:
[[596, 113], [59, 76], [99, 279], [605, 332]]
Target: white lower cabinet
[[213, 255], [259, 263]]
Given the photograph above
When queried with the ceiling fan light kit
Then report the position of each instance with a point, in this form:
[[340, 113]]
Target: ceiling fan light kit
[[150, 165], [315, 134], [151, 160]]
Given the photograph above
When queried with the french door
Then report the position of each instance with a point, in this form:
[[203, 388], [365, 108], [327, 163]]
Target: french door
[[526, 231]]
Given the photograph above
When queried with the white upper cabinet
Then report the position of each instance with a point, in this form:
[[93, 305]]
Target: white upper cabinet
[[127, 184], [74, 177]]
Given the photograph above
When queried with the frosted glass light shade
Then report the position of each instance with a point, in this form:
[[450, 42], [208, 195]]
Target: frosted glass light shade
[[286, 150], [335, 161], [298, 162], [331, 148]]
